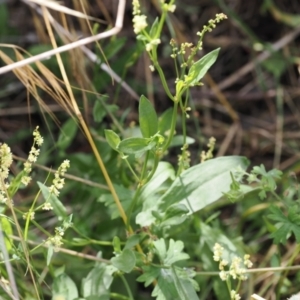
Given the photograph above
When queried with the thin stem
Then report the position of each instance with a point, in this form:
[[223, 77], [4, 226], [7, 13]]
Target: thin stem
[[173, 125], [132, 205], [143, 174], [131, 170], [127, 287]]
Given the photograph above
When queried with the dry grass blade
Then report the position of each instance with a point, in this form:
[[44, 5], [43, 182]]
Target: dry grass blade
[[73, 45], [63, 9]]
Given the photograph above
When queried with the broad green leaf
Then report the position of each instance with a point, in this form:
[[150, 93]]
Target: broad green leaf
[[7, 230], [112, 138], [164, 122], [203, 184], [50, 252], [64, 288], [172, 283], [210, 236], [132, 241], [67, 134], [200, 68], [147, 118], [151, 192], [185, 286], [125, 262], [98, 281], [178, 140], [135, 145], [117, 245], [58, 207]]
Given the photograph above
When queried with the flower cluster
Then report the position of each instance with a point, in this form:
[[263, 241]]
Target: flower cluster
[[59, 182], [212, 24], [168, 6], [33, 155], [184, 159], [56, 240], [236, 270], [140, 23], [5, 163], [209, 154]]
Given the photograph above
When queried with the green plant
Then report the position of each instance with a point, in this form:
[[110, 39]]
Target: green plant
[[155, 223]]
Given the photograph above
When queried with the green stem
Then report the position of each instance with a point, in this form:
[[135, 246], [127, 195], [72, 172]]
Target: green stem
[[173, 125], [156, 161], [127, 287], [131, 170], [132, 205], [143, 174], [31, 210], [163, 80], [284, 275]]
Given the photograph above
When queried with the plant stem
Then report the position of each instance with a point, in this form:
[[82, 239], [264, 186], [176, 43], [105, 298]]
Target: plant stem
[[127, 287], [172, 129]]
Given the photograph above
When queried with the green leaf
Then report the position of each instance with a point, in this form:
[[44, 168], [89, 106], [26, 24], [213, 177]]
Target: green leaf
[[124, 262], [112, 138], [154, 27], [50, 252], [125, 196], [132, 241], [200, 68], [164, 122], [98, 281], [286, 224], [159, 183], [117, 245], [64, 288], [173, 254], [175, 283], [67, 134], [179, 139], [147, 118], [184, 284], [203, 184], [101, 109], [135, 145], [7, 230], [58, 207]]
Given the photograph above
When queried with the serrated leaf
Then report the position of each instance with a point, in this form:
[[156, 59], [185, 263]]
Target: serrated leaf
[[287, 224], [124, 262], [173, 254], [135, 145], [203, 184], [64, 288], [112, 138], [200, 68], [147, 118], [149, 275], [58, 207]]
